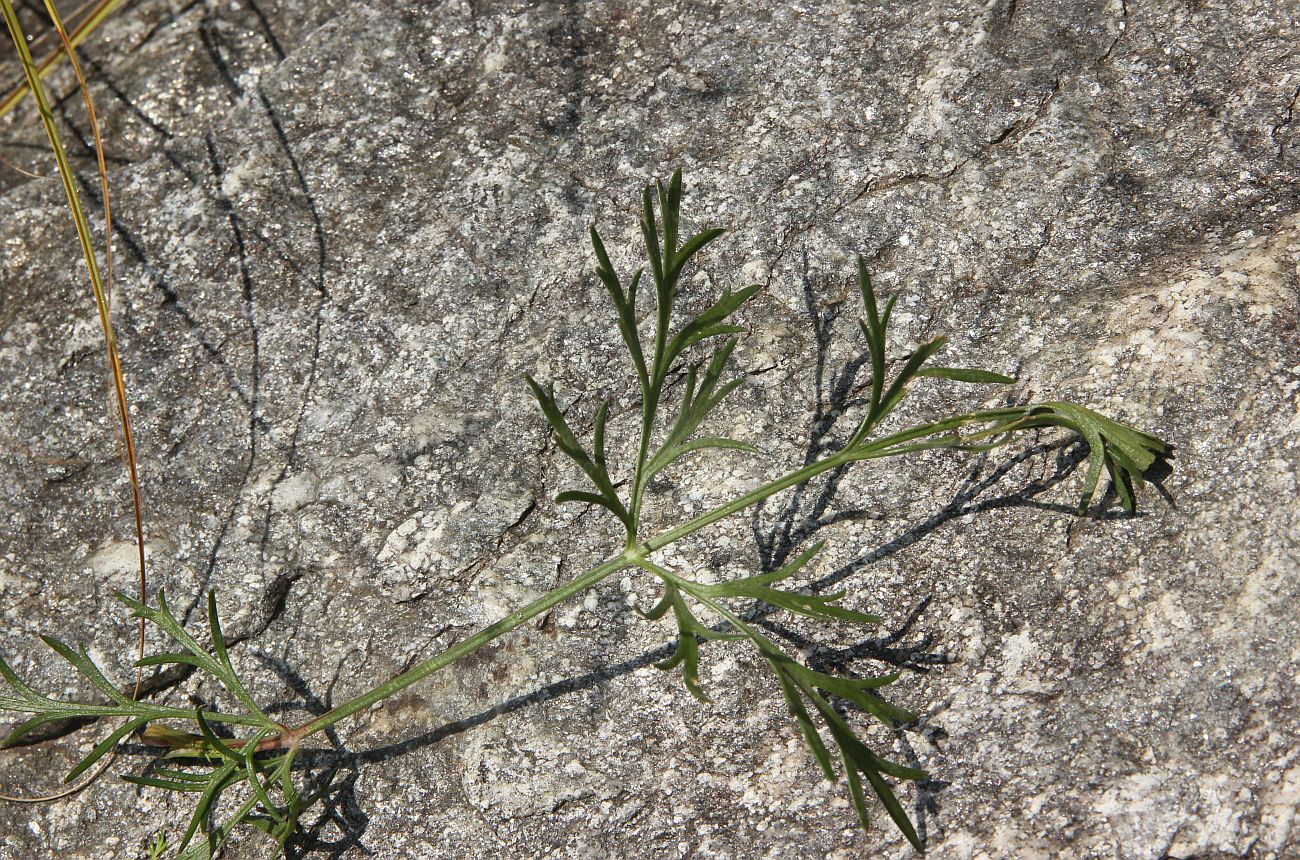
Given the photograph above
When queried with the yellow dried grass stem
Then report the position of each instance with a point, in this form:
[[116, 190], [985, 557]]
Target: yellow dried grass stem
[[98, 12], [100, 286]]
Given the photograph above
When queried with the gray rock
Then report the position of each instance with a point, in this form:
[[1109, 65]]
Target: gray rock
[[345, 232]]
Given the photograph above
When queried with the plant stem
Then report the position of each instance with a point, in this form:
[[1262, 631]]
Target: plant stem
[[650, 401], [468, 646], [884, 447], [632, 556]]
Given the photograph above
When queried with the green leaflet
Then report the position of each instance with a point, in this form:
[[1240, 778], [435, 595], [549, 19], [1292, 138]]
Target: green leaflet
[[702, 391], [1125, 452], [812, 605], [233, 767], [690, 632], [962, 374]]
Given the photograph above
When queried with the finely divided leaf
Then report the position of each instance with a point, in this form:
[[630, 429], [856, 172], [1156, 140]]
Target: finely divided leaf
[[875, 330], [690, 631], [163, 618], [218, 781], [595, 469], [693, 246], [1126, 453], [799, 683], [624, 306], [919, 356], [711, 321], [810, 734], [697, 403], [12, 679], [200, 783], [83, 664]]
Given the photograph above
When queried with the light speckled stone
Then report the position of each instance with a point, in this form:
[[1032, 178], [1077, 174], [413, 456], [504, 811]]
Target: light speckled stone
[[346, 231]]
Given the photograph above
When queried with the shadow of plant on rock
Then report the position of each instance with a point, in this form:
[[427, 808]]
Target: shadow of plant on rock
[[342, 822]]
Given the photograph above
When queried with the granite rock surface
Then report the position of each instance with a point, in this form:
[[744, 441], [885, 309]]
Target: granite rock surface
[[343, 234]]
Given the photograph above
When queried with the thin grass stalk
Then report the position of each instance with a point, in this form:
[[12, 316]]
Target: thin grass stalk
[[79, 34], [68, 48], [128, 442], [100, 287]]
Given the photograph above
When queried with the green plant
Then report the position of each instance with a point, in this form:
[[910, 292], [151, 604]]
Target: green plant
[[157, 846], [256, 771]]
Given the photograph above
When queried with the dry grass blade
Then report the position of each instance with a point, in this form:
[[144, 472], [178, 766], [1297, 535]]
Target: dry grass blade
[[91, 15], [100, 286], [68, 48]]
